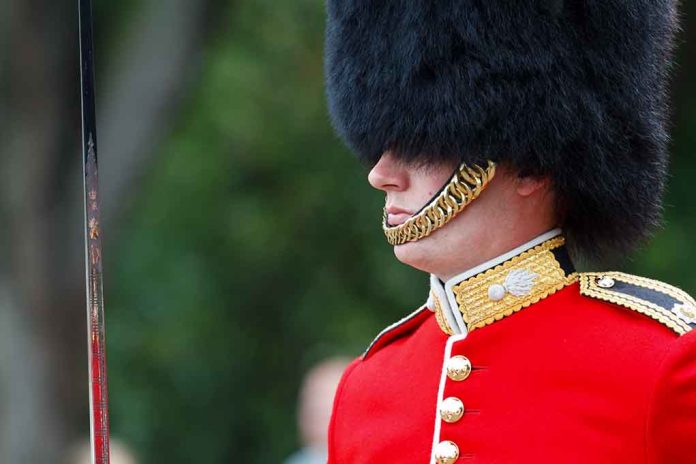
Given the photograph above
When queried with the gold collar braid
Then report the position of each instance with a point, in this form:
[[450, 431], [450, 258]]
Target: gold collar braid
[[500, 291], [465, 186]]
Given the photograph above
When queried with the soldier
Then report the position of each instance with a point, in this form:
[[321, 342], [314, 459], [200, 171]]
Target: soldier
[[508, 137]]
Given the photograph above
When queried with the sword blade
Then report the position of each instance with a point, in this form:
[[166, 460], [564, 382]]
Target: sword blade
[[98, 394]]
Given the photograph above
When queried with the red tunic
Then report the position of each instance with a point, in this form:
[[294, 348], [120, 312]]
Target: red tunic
[[570, 379]]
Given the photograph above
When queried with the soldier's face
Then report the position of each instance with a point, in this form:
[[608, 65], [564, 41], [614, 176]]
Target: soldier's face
[[509, 212]]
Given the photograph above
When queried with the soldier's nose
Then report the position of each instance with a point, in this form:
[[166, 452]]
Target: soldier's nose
[[388, 174]]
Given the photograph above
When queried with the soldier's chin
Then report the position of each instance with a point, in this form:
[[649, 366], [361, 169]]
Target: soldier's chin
[[422, 254]]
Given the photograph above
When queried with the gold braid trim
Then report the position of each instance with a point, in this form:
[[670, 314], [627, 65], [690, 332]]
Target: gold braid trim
[[439, 316], [472, 295], [589, 287], [465, 186]]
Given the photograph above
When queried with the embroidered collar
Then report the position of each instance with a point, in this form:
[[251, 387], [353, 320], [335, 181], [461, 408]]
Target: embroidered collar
[[502, 286]]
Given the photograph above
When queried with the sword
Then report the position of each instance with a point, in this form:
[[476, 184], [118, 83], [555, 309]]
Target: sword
[[98, 396]]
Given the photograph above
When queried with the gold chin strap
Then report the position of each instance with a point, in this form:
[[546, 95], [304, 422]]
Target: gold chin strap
[[465, 186]]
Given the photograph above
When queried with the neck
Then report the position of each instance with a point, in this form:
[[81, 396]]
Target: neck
[[493, 250], [502, 256]]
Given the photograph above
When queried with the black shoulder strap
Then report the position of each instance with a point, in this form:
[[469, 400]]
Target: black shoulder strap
[[666, 304]]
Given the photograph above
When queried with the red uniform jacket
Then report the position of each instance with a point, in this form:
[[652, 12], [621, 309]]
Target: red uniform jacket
[[602, 369]]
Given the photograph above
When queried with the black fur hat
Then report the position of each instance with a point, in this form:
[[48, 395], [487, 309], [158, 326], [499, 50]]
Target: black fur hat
[[572, 89]]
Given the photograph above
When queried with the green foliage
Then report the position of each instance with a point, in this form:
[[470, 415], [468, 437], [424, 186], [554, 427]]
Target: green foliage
[[254, 251]]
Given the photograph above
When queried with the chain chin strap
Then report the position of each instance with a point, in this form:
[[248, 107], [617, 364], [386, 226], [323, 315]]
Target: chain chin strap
[[465, 186]]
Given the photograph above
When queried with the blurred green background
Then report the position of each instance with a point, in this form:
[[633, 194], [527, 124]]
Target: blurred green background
[[242, 240]]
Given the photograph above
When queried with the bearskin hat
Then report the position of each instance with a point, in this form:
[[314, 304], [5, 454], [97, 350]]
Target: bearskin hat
[[570, 89]]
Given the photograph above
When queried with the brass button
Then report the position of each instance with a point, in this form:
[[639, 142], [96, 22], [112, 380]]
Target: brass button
[[458, 368], [451, 409], [446, 452]]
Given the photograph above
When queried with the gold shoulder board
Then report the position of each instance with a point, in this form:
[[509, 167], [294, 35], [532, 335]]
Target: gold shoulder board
[[662, 302]]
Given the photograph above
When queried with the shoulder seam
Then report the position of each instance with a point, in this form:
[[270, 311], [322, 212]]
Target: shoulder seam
[[392, 327]]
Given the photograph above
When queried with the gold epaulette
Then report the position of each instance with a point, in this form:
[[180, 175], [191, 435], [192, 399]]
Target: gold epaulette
[[666, 304]]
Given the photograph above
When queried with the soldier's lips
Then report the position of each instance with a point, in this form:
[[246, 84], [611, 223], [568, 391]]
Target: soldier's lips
[[397, 216]]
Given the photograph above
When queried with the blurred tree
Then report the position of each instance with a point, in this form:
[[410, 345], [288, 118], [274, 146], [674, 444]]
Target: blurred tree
[[254, 250], [43, 394]]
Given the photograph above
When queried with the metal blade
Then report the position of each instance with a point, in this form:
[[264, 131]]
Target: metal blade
[[98, 395]]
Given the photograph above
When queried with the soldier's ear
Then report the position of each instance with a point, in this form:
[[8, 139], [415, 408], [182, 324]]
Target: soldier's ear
[[529, 185]]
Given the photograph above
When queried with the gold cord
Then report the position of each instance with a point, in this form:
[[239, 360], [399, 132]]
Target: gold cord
[[465, 186]]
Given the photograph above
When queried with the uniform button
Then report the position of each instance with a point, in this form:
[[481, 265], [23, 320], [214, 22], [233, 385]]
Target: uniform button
[[606, 282], [458, 368], [451, 409], [446, 452]]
